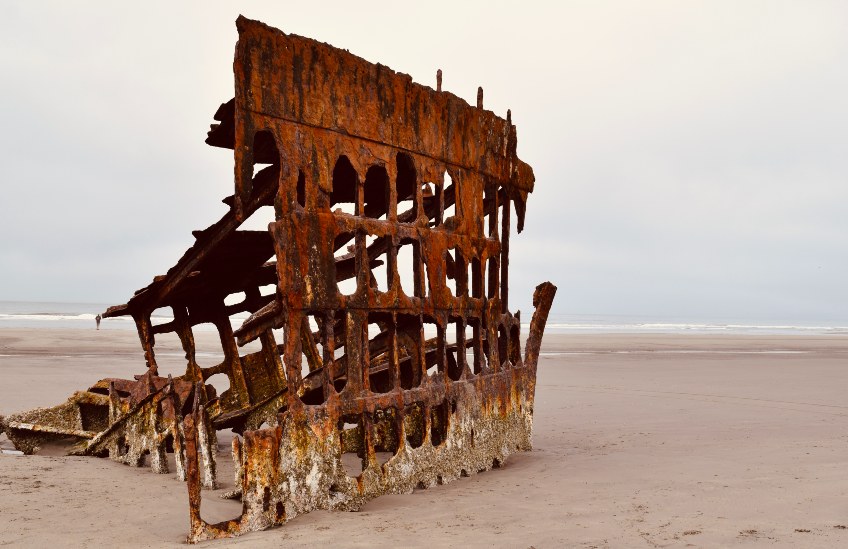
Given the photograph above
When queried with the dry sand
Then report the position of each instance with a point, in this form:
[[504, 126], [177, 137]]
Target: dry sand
[[639, 440]]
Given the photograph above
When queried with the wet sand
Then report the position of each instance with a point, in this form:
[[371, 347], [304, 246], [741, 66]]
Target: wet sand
[[639, 440]]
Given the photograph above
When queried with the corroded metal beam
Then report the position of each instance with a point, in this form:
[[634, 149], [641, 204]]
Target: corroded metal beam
[[389, 357]]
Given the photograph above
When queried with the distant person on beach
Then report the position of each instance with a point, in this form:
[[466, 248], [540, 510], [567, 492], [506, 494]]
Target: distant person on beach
[[97, 320]]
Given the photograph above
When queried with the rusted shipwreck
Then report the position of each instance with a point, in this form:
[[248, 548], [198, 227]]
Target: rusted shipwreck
[[388, 335]]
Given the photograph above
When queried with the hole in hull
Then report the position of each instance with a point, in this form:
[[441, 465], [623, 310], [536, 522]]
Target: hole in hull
[[414, 425], [352, 436], [439, 424]]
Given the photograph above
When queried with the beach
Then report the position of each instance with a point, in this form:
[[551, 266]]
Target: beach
[[658, 440]]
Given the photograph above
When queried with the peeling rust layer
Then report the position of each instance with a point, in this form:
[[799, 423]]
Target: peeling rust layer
[[389, 359]]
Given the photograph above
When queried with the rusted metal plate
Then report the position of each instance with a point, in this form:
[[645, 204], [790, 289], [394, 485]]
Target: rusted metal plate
[[389, 357]]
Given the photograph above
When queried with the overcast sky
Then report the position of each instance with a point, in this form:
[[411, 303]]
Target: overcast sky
[[691, 157]]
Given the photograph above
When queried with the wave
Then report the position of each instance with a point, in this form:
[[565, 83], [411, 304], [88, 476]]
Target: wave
[[47, 316], [86, 320], [701, 328], [82, 315], [680, 352]]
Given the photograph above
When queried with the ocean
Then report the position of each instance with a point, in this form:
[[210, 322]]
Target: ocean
[[33, 314]]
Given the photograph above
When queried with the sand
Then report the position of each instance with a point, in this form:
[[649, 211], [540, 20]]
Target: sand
[[639, 440]]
